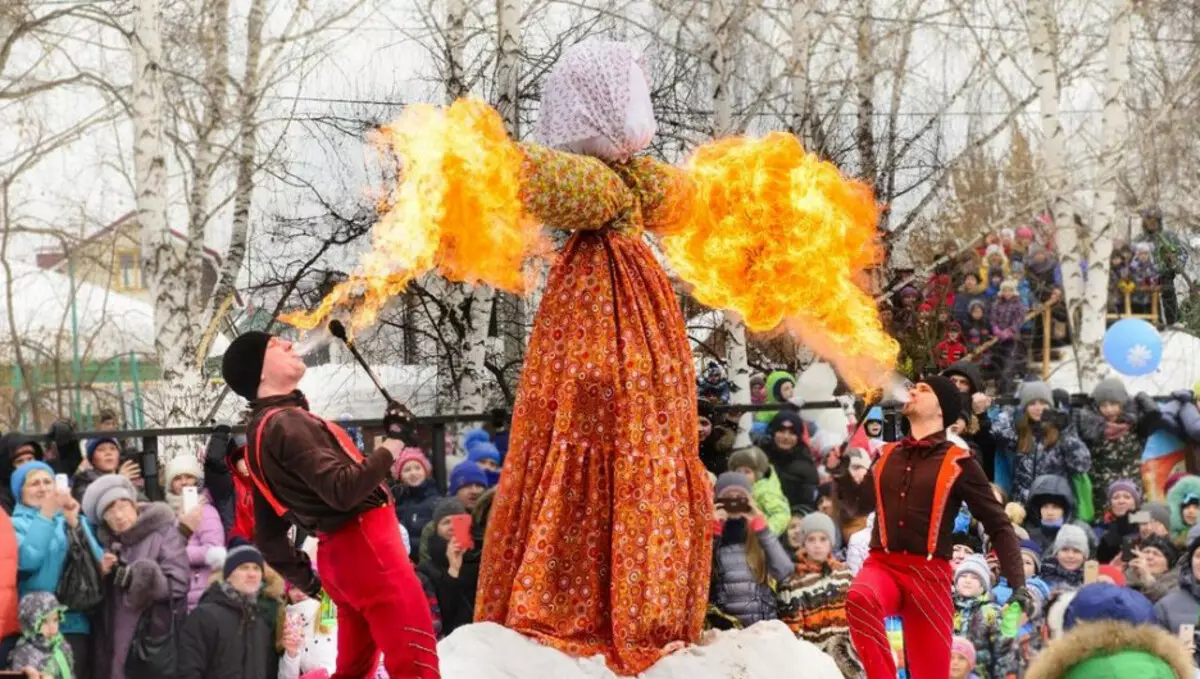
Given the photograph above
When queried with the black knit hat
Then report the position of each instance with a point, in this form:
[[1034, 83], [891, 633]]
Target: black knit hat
[[948, 396], [242, 364], [241, 555]]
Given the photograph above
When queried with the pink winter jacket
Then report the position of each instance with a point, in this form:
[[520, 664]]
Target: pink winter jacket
[[205, 552]]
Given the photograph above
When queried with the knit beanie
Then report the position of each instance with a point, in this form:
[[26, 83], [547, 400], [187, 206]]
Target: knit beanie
[[752, 457], [17, 482], [1159, 511], [466, 474], [183, 464], [1163, 545], [1127, 485], [731, 481], [1072, 536], [483, 450], [1034, 391], [93, 444], [103, 492], [412, 455], [242, 364], [948, 396], [1111, 390], [447, 506], [819, 523], [975, 565], [242, 554], [1032, 549], [473, 436], [963, 646], [1101, 601]]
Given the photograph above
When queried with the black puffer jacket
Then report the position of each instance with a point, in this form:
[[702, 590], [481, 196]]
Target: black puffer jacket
[[796, 468], [227, 637]]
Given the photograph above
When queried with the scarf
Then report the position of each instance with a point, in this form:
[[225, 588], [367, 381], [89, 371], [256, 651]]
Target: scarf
[[1115, 430], [60, 659], [1055, 574]]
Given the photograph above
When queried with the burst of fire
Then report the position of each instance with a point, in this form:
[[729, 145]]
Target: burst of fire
[[455, 207], [784, 240]]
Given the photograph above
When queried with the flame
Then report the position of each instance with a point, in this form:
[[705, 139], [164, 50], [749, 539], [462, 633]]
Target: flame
[[784, 240], [456, 208]]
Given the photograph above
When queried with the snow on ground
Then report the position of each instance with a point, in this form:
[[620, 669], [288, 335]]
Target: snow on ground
[[767, 650], [1180, 368]]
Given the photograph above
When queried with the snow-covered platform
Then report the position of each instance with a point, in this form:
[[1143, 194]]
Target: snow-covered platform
[[767, 650]]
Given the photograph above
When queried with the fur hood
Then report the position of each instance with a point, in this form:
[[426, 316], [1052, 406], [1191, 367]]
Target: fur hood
[[1105, 638], [152, 517], [1188, 485]]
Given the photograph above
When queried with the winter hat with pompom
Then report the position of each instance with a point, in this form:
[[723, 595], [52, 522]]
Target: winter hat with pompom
[[184, 464]]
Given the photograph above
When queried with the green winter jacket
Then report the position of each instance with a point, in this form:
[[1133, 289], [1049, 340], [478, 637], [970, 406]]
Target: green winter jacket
[[769, 497], [1113, 650], [773, 383]]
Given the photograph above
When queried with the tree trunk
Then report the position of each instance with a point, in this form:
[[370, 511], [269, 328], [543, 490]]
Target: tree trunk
[[247, 158], [1089, 353], [1066, 235], [864, 81], [456, 83], [801, 39], [723, 24]]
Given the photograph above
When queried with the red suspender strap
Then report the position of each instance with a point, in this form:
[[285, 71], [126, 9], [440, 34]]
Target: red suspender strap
[[880, 519], [947, 475], [254, 446]]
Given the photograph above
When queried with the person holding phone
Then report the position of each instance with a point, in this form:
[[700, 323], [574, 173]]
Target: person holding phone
[[916, 487], [441, 574], [206, 544], [747, 557], [307, 471]]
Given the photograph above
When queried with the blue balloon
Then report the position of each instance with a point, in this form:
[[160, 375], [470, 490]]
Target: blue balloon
[[1133, 347]]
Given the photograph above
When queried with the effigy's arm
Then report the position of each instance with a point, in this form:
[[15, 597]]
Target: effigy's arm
[[570, 191], [666, 193]]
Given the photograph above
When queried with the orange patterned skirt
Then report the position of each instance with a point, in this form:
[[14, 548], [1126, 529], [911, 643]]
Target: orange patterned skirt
[[599, 538]]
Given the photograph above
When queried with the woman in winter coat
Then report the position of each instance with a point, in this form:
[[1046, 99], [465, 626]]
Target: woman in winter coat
[[747, 558], [1122, 499], [1152, 570], [145, 568], [1115, 428], [1037, 443], [206, 546], [788, 452], [1181, 605], [47, 522], [416, 493], [231, 634]]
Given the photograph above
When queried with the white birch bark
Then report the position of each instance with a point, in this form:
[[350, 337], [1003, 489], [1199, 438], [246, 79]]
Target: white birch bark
[[1089, 352], [800, 42], [864, 85], [456, 15], [1066, 234], [722, 24]]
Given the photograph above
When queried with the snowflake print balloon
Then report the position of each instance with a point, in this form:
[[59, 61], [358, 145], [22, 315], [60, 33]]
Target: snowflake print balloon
[[1133, 347]]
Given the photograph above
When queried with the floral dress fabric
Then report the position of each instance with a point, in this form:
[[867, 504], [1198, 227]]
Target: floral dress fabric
[[599, 537]]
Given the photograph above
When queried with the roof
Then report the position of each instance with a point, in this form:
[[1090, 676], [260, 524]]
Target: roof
[[49, 259]]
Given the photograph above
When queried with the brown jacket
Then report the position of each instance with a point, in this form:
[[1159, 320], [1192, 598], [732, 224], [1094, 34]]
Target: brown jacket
[[316, 481], [908, 485]]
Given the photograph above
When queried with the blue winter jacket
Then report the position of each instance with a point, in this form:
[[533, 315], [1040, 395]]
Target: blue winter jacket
[[42, 554]]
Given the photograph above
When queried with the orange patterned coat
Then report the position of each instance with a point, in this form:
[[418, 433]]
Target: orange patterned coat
[[599, 538]]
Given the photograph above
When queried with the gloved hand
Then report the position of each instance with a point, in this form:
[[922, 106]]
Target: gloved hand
[[1183, 395], [1024, 598], [218, 443], [962, 522], [399, 423], [1146, 403]]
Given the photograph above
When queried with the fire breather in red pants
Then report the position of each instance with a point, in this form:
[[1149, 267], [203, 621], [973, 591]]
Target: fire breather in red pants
[[917, 589], [380, 603]]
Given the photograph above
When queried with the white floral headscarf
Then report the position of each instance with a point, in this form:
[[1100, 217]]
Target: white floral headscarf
[[596, 101]]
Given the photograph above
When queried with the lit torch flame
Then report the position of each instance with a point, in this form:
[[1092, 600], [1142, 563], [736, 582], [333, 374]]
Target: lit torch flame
[[784, 240], [455, 208]]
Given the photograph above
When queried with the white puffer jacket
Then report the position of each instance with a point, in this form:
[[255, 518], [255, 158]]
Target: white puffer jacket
[[318, 650]]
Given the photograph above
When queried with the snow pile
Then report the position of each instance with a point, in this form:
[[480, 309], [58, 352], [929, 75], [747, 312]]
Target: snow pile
[[768, 650]]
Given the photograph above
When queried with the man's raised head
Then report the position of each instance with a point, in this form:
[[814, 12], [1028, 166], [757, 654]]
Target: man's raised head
[[934, 399], [257, 365]]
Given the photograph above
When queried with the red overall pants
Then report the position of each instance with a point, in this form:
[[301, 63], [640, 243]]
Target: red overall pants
[[380, 603], [918, 590]]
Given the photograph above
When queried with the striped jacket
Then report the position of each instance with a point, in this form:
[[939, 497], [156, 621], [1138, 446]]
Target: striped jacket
[[812, 603]]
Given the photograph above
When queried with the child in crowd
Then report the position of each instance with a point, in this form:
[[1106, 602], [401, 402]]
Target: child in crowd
[[1051, 506], [1184, 500], [767, 493], [780, 387], [1063, 568], [977, 331], [793, 539], [976, 616], [1007, 317], [952, 349], [1144, 272], [486, 455], [747, 558], [415, 492], [453, 595], [1115, 528], [812, 601], [42, 647], [309, 635], [1115, 430], [972, 290], [962, 659]]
